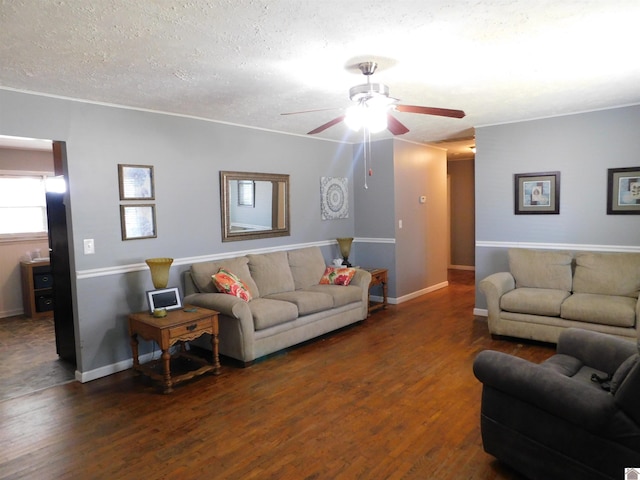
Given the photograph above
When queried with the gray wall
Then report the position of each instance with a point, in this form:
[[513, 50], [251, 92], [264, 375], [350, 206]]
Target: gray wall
[[187, 155], [415, 254], [375, 205], [582, 147], [421, 243]]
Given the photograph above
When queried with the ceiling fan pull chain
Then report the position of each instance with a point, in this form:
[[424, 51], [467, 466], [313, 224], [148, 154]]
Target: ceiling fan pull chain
[[364, 144], [370, 158]]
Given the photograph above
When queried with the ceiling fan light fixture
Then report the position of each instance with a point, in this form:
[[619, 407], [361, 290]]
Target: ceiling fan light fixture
[[361, 116]]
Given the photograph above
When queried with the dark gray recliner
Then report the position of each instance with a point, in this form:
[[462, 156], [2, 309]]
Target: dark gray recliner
[[553, 420]]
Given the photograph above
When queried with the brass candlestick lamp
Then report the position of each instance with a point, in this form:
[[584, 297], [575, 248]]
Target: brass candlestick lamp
[[345, 249]]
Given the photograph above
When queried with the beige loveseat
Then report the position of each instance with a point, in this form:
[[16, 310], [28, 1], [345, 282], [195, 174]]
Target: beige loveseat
[[288, 304], [547, 291]]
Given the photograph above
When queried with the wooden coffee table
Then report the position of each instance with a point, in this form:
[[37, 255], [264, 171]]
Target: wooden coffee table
[[178, 326]]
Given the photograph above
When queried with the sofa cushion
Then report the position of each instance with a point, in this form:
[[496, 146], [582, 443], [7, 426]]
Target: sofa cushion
[[202, 274], [341, 295], [227, 282], [601, 309], [306, 301], [540, 268], [268, 312], [607, 273], [534, 301], [307, 266], [271, 272], [337, 276]]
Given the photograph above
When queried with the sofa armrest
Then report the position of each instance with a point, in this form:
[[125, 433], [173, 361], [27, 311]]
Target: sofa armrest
[[564, 397], [223, 303], [598, 350], [235, 323], [362, 279], [493, 287]]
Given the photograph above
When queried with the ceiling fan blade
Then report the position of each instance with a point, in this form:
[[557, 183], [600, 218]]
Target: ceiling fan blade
[[395, 126], [310, 111], [443, 112], [322, 128]]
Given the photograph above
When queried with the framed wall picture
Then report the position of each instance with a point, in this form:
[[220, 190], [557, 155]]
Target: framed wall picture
[[334, 198], [537, 193], [138, 221], [168, 298], [623, 191], [136, 182]]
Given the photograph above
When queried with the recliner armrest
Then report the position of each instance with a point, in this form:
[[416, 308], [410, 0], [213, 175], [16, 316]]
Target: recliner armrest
[[598, 350], [561, 396]]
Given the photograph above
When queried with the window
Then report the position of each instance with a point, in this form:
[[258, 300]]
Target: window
[[246, 191], [23, 204]]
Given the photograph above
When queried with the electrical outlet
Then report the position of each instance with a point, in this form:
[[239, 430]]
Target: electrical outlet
[[89, 246], [399, 223]]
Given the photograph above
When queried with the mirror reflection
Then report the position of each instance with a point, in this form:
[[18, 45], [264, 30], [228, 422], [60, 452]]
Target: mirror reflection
[[254, 205]]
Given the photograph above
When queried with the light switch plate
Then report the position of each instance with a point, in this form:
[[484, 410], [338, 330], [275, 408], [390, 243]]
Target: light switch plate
[[89, 246]]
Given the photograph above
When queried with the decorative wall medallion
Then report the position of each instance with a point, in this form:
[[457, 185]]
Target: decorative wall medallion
[[334, 198]]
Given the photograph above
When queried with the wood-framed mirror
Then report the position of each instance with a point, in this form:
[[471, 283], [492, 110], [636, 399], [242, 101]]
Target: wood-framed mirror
[[254, 205]]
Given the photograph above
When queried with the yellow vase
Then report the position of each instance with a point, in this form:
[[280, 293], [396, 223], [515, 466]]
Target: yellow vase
[[159, 271]]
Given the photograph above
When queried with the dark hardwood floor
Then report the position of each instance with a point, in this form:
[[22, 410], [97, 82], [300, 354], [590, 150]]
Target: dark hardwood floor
[[391, 398], [29, 359]]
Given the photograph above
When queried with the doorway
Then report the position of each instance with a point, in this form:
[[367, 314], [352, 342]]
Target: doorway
[[41, 351]]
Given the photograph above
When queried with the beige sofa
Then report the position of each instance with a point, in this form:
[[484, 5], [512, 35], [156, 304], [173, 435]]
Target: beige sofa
[[288, 305], [547, 291]]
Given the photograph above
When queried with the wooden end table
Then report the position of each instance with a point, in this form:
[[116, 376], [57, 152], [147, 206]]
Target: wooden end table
[[178, 326], [378, 277]]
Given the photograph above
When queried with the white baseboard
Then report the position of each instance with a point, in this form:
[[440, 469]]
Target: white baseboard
[[419, 293], [481, 312], [462, 267], [11, 313], [107, 370]]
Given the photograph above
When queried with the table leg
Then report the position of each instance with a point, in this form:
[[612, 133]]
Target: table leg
[[134, 351], [384, 293], [166, 368], [214, 349]]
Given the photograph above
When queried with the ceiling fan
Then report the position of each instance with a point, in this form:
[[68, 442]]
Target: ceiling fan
[[373, 107]]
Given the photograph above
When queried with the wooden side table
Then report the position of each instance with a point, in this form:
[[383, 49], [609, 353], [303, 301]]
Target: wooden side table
[[178, 326], [378, 277]]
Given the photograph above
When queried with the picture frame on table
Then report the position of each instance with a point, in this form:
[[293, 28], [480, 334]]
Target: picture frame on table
[[136, 182], [167, 298], [537, 193], [623, 191]]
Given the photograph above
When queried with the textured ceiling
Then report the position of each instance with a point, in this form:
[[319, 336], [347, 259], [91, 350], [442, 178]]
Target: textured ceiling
[[247, 61]]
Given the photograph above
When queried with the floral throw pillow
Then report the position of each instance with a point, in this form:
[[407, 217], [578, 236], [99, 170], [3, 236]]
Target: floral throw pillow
[[227, 282], [337, 276]]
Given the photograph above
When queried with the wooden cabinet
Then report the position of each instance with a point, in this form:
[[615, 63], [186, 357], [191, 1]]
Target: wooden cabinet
[[37, 289]]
